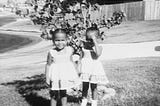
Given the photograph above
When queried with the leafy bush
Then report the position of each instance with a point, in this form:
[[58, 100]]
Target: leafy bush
[[74, 16]]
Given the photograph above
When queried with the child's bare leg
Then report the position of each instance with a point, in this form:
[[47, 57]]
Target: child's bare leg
[[63, 97], [54, 95], [53, 102], [94, 94], [94, 91], [64, 101]]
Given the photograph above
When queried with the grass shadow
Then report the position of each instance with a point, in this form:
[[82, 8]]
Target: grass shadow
[[35, 91], [29, 88]]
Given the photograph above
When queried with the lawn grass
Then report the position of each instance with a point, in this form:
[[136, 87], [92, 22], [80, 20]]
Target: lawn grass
[[7, 19], [136, 82], [11, 42], [132, 32], [8, 41]]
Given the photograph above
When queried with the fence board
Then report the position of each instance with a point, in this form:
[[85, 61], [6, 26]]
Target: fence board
[[134, 10], [142, 10], [158, 10], [152, 10]]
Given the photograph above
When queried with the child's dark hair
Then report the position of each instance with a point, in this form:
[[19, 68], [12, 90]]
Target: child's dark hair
[[59, 30], [93, 29]]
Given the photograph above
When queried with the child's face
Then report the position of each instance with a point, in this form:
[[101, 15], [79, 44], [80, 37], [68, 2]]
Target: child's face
[[90, 35], [60, 40]]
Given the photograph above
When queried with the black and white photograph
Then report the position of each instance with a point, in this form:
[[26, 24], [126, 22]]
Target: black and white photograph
[[79, 52]]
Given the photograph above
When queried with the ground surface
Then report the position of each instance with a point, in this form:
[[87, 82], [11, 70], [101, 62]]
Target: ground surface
[[9, 41], [136, 80], [6, 19], [133, 32]]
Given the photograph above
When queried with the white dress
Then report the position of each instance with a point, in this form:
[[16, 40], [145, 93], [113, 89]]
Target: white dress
[[62, 72], [92, 69]]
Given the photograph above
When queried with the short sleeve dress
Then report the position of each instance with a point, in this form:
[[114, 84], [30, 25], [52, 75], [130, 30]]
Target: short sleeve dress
[[92, 69], [62, 72]]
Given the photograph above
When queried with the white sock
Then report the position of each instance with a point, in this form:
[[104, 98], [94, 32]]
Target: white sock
[[94, 103], [84, 102]]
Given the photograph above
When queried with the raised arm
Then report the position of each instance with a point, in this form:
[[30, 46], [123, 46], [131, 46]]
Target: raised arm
[[97, 49]]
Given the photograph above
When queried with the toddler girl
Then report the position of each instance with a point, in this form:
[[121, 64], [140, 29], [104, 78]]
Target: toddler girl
[[92, 72], [60, 71]]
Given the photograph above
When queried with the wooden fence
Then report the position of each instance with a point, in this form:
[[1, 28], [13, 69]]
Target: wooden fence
[[133, 10], [152, 10]]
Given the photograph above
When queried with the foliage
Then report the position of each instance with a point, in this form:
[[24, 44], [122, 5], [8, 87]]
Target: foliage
[[74, 16]]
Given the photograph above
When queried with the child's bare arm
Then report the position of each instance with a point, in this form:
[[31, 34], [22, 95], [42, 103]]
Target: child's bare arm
[[49, 61], [98, 49]]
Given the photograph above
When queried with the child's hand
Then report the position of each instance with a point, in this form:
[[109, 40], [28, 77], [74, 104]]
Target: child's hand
[[75, 57], [93, 36]]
